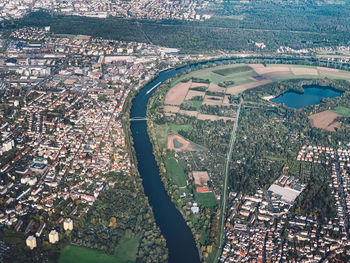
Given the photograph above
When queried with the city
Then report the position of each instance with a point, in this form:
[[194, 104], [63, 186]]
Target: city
[[62, 133], [181, 10], [274, 232], [174, 131]]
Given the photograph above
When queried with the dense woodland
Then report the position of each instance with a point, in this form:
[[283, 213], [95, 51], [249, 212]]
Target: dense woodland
[[241, 26], [115, 212]]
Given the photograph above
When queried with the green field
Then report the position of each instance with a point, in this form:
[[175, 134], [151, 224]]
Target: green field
[[184, 191], [206, 199], [241, 77], [232, 70], [175, 128], [243, 74], [195, 103], [125, 252], [161, 135], [175, 172], [343, 111]]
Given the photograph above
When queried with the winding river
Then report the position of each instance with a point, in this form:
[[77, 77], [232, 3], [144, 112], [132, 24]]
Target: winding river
[[180, 241]]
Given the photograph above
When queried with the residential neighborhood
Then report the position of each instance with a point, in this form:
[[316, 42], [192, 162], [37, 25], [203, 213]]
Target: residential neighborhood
[[263, 228], [180, 10]]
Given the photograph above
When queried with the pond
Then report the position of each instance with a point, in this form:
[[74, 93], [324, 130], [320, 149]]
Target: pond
[[312, 96], [177, 144]]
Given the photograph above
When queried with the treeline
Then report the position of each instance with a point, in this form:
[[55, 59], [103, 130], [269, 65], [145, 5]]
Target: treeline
[[317, 199], [276, 29]]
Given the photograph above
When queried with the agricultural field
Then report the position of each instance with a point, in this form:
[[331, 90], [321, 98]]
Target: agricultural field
[[217, 86], [325, 120], [231, 70], [177, 94]]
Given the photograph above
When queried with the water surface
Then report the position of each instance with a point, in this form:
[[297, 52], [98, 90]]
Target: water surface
[[177, 144], [312, 96], [180, 242]]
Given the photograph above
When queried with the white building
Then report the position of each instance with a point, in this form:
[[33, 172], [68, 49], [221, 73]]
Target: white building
[[31, 242], [53, 237], [68, 224], [7, 146]]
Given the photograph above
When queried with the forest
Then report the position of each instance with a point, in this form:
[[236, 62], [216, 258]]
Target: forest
[[116, 212], [265, 22]]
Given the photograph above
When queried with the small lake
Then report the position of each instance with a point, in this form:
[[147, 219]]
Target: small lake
[[312, 96], [177, 144]]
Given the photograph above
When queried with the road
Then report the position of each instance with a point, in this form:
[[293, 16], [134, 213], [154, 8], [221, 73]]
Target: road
[[224, 195]]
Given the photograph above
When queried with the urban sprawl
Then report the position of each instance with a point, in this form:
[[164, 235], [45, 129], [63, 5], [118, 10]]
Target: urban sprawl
[[261, 227], [181, 10], [62, 131]]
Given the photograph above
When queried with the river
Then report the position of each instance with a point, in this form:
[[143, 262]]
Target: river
[[180, 242]]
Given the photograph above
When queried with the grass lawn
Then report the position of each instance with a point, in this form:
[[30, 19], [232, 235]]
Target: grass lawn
[[161, 133], [125, 252], [175, 128], [196, 103], [206, 199], [184, 190], [232, 70], [128, 246], [294, 168], [175, 171], [343, 111]]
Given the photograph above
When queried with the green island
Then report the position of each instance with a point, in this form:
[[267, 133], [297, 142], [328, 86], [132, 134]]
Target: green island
[[190, 124]]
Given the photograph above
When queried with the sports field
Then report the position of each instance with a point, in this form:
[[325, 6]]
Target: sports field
[[206, 199]]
